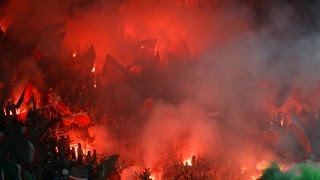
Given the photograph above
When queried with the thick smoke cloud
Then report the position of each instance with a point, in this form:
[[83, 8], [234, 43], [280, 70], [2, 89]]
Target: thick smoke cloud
[[242, 55], [308, 170]]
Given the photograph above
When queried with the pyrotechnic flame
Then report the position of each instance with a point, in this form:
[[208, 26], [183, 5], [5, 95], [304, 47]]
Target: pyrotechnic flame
[[152, 177], [85, 148], [75, 148], [4, 25], [189, 161], [19, 111], [94, 78], [93, 69], [74, 54]]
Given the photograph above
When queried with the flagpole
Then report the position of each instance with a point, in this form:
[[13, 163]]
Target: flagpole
[[22, 94]]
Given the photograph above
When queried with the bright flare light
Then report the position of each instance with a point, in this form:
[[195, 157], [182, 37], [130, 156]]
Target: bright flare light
[[75, 148], [189, 161], [93, 69]]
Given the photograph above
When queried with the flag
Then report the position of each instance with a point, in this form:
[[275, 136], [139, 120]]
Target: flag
[[298, 132], [79, 118], [57, 103], [33, 103], [112, 68], [106, 168], [88, 59], [25, 95], [179, 47], [79, 174], [10, 170], [147, 46]]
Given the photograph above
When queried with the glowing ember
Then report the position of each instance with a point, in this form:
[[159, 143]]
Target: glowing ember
[[74, 54]]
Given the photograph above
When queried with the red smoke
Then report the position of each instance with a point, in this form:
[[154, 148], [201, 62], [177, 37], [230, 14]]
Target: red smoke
[[213, 62]]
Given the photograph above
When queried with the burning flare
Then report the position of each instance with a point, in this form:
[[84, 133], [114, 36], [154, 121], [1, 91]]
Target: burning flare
[[74, 54]]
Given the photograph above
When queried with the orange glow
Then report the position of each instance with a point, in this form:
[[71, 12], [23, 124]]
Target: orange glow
[[129, 31], [243, 170], [4, 25], [189, 161], [85, 148], [75, 147], [74, 54], [136, 69], [262, 165], [93, 69], [94, 79], [152, 177]]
